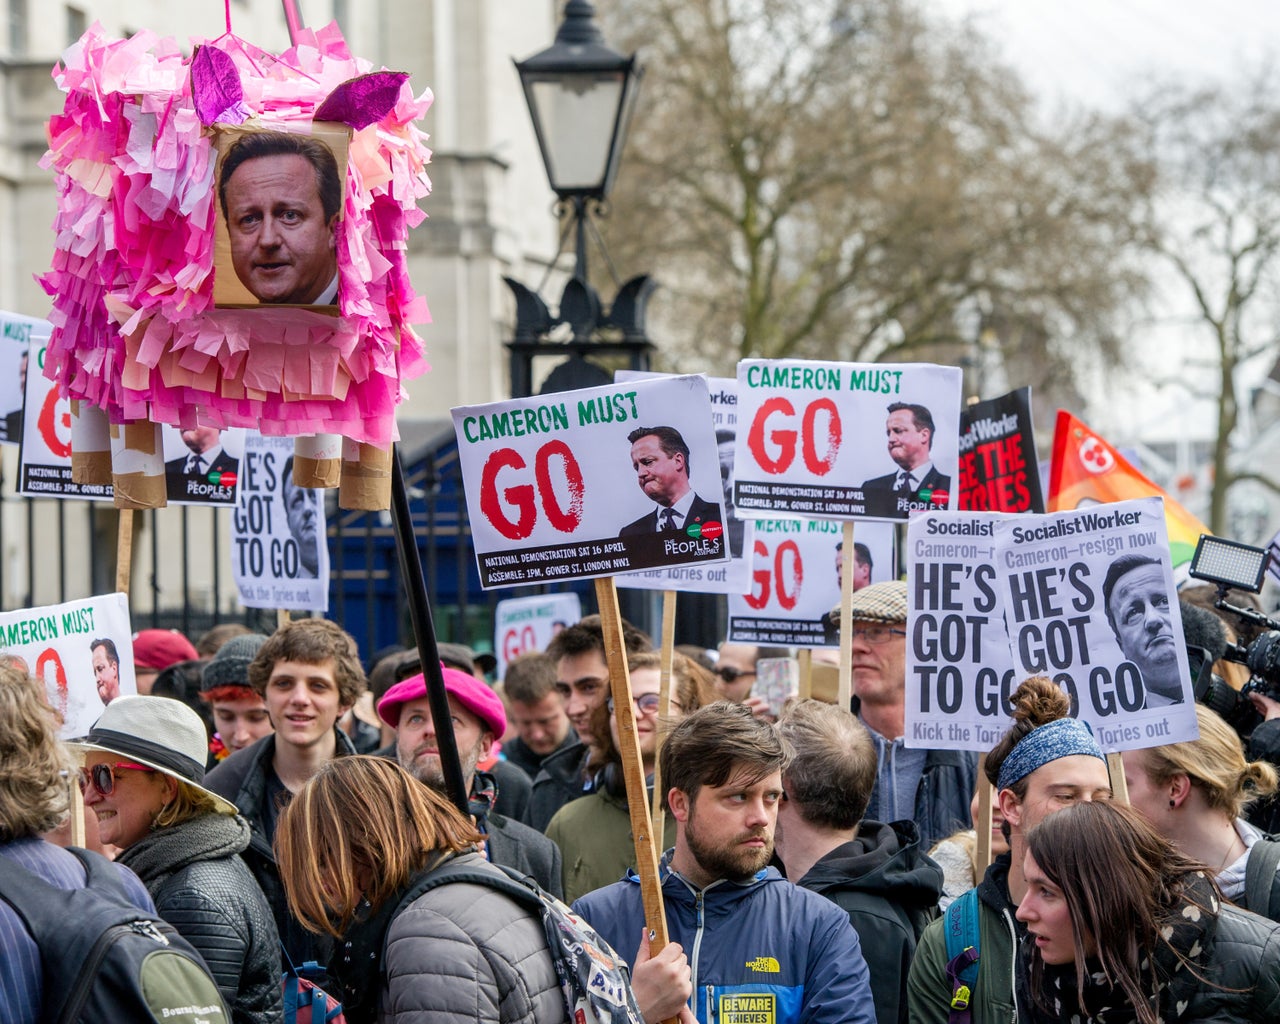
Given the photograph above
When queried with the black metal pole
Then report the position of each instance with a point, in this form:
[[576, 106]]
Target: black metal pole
[[415, 586]]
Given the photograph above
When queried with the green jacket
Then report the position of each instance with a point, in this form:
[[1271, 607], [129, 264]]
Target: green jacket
[[596, 848], [928, 988]]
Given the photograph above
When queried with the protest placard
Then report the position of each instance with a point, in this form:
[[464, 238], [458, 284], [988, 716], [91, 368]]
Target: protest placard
[[735, 577], [201, 464], [82, 651], [806, 438], [796, 580], [44, 460], [592, 483], [17, 334], [998, 471], [959, 669], [1090, 602], [523, 624], [278, 551]]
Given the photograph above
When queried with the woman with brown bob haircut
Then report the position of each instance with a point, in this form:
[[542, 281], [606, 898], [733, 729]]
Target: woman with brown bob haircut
[[1122, 926], [350, 844]]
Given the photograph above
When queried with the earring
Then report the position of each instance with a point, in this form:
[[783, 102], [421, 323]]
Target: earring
[[1172, 805]]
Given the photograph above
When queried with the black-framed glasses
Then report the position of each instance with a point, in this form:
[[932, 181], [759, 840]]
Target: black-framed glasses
[[647, 704], [875, 634], [731, 675], [102, 776]]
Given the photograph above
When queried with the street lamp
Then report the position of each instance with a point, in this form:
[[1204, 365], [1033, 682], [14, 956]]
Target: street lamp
[[581, 96]]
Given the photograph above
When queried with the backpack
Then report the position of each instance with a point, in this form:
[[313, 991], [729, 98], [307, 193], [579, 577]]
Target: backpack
[[305, 1002], [594, 980], [1260, 877], [960, 927], [105, 959]]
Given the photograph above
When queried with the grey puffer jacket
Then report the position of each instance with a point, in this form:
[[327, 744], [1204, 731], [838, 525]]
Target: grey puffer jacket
[[466, 954], [194, 873]]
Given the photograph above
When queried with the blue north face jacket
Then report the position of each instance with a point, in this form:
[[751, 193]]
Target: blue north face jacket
[[762, 952]]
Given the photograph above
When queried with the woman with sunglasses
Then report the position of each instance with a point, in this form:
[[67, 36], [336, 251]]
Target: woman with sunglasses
[[594, 832], [143, 765], [1122, 926]]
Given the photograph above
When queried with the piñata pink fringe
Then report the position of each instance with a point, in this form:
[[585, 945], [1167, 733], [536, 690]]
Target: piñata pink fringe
[[135, 329]]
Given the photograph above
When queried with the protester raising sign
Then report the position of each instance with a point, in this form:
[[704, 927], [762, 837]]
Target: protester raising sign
[[796, 580], [804, 438], [998, 470], [592, 482], [82, 652], [734, 578], [278, 552]]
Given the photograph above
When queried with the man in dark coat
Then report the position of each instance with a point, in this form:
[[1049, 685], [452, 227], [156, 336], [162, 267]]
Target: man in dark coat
[[661, 461], [875, 872], [909, 429]]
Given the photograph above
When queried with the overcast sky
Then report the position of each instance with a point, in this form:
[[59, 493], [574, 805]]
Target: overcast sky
[[1092, 50]]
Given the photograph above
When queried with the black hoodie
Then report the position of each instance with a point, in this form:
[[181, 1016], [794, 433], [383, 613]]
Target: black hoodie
[[890, 890]]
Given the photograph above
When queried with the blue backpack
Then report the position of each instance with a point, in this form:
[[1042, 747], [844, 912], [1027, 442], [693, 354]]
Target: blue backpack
[[960, 927]]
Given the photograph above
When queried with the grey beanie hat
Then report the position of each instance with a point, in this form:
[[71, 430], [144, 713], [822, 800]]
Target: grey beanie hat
[[230, 666]]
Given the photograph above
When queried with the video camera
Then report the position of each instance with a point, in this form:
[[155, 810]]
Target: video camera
[[1232, 565]]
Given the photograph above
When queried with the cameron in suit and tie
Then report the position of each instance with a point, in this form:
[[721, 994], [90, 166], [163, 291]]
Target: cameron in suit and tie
[[188, 476], [661, 461], [909, 430]]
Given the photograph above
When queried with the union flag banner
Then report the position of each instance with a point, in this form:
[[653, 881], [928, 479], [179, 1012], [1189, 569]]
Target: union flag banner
[[1086, 469]]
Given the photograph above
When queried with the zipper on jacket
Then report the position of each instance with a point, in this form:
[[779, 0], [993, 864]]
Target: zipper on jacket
[[697, 938], [1013, 962]]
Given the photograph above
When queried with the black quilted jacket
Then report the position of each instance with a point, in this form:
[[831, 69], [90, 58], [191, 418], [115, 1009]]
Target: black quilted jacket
[[201, 886]]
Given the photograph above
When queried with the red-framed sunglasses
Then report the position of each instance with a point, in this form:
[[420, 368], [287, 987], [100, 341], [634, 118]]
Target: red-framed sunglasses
[[103, 778]]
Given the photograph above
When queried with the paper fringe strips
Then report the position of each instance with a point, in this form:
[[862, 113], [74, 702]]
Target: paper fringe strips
[[135, 329]]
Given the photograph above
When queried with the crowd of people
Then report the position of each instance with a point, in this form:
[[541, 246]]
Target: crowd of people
[[280, 806]]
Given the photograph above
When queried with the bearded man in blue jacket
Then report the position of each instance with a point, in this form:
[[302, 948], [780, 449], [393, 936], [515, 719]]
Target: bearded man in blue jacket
[[746, 945]]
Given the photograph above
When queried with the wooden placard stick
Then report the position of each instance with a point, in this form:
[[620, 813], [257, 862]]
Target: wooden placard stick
[[805, 658], [124, 551], [668, 648], [844, 690], [633, 773], [982, 825], [1119, 788], [282, 617]]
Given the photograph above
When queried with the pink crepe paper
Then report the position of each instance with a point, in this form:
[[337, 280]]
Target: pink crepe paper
[[135, 328]]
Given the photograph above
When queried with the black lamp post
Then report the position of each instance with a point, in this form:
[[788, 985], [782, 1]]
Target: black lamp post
[[581, 95]]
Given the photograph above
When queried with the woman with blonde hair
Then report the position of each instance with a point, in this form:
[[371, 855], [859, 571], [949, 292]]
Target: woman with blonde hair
[[1122, 926], [142, 777], [1195, 794], [461, 952]]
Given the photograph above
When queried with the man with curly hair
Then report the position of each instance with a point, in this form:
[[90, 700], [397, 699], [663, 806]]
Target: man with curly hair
[[308, 673]]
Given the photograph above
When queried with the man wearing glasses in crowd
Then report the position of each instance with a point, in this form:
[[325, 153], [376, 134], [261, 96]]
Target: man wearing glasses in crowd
[[932, 787]]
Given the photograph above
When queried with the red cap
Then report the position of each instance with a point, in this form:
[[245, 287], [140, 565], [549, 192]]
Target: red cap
[[160, 648]]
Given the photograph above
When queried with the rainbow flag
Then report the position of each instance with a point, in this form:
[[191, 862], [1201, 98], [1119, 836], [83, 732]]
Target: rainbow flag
[[1085, 469]]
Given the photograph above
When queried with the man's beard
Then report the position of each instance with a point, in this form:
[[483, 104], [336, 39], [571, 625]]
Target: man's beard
[[430, 772], [729, 860]]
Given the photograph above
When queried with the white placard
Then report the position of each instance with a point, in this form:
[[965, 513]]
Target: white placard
[[82, 651], [734, 578], [796, 580], [959, 670], [523, 624], [1090, 602], [278, 551], [211, 480], [578, 484], [17, 336], [832, 440]]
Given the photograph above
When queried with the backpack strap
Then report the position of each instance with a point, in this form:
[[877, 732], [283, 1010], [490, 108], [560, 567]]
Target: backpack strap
[[511, 883], [1260, 876], [961, 929]]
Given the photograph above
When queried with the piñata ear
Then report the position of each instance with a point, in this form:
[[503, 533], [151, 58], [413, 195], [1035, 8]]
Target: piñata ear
[[360, 102], [216, 88]]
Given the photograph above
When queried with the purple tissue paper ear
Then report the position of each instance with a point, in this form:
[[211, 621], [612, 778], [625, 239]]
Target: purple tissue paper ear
[[360, 102], [216, 89]]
